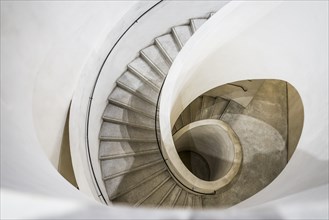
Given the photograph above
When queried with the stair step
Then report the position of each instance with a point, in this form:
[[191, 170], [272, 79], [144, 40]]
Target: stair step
[[109, 149], [143, 191], [154, 57], [111, 131], [122, 166], [180, 202], [189, 201], [125, 99], [186, 116], [144, 71], [120, 115], [218, 108], [195, 108], [174, 130], [207, 106], [138, 87], [130, 154], [154, 197], [123, 184], [197, 23], [233, 108], [182, 34], [179, 123], [166, 195], [171, 199], [168, 46], [197, 203], [124, 189]]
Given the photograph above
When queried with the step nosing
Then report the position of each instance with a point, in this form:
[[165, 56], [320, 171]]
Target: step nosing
[[142, 77], [152, 64], [118, 121], [129, 107], [163, 51], [138, 153], [176, 37], [134, 92], [120, 139]]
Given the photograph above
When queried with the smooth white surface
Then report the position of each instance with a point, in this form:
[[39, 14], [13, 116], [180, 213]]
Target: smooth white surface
[[31, 186], [44, 46], [259, 40]]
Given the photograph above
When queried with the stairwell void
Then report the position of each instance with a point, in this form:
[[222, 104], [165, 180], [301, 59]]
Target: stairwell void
[[209, 149]]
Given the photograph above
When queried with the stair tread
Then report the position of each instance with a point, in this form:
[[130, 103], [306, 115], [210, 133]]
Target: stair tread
[[135, 85], [189, 200], [181, 199], [186, 116], [156, 59], [195, 107], [128, 100], [157, 193], [196, 23], [168, 44], [182, 34], [207, 106], [122, 166], [120, 185], [170, 199], [117, 114], [219, 107], [197, 203], [141, 68], [167, 193], [120, 131], [124, 149], [179, 123], [143, 190]]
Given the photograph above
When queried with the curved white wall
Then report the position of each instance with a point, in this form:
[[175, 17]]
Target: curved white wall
[[44, 46], [257, 40]]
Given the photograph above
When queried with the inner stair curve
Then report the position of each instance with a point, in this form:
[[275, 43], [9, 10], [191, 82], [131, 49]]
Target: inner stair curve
[[133, 170]]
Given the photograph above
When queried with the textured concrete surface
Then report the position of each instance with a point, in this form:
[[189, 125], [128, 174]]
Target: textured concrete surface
[[270, 105], [264, 157]]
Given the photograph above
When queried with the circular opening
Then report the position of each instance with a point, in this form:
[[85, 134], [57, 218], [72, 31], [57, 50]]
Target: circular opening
[[206, 149], [196, 164]]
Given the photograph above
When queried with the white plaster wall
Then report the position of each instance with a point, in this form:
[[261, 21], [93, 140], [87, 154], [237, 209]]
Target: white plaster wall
[[257, 40], [44, 46], [30, 185]]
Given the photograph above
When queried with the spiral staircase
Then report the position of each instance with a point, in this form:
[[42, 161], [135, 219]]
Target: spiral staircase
[[132, 165]]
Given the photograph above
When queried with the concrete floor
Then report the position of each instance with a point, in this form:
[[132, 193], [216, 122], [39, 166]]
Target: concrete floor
[[262, 130]]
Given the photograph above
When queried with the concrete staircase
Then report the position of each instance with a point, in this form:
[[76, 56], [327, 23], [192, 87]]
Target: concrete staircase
[[133, 169], [203, 107], [132, 166]]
